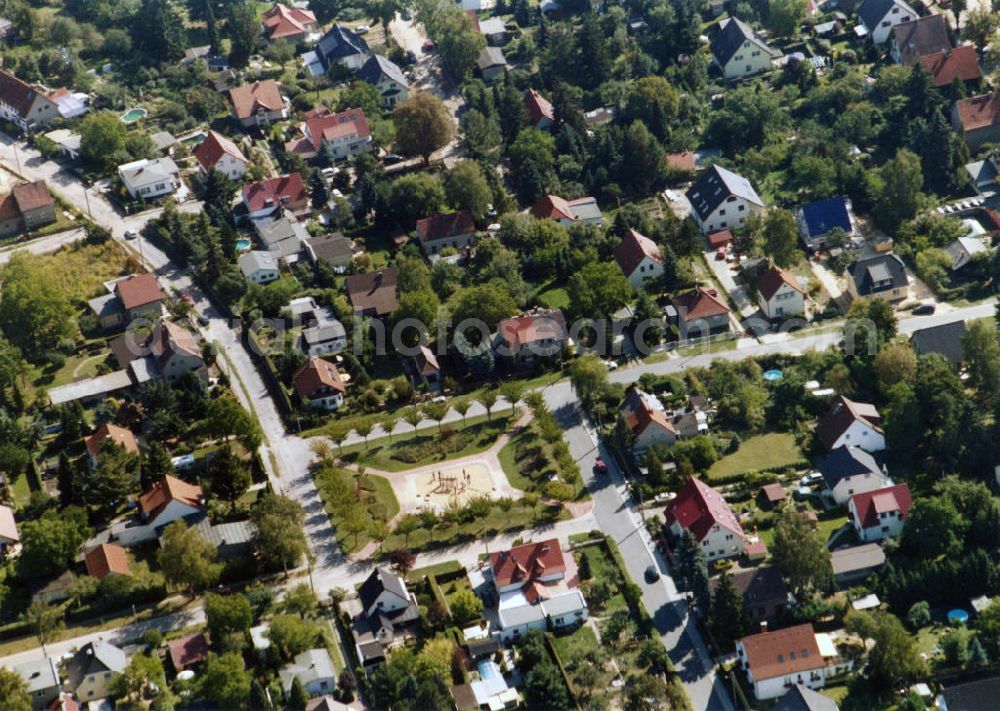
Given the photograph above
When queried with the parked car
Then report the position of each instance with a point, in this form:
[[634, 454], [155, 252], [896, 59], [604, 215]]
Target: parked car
[[925, 309], [723, 564], [720, 254], [362, 29], [131, 234], [652, 574], [610, 364], [600, 467], [427, 46]]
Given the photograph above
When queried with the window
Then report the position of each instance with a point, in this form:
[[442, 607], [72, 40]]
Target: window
[[721, 213], [740, 208], [885, 529], [886, 24], [749, 68]]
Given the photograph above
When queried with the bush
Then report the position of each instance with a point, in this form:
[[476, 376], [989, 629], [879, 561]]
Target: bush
[[559, 491], [152, 638], [919, 615], [449, 442]]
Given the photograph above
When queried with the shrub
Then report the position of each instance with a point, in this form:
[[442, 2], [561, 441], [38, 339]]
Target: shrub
[[559, 491]]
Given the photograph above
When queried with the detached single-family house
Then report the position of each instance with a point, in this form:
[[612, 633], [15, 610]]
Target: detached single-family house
[[964, 249], [699, 312], [568, 212], [27, 207], [386, 76], [494, 30], [880, 513], [258, 267], [739, 52], [425, 367], [342, 46], [647, 420], [259, 104], [230, 540], [527, 565], [848, 422], [802, 698], [977, 119], [218, 152], [851, 470], [640, 259], [491, 64], [9, 535], [333, 249], [373, 294], [878, 17], [289, 23], [913, 40], [106, 559], [148, 179], [323, 333], [128, 298], [701, 510], [881, 276], [818, 219], [854, 564], [541, 115], [319, 384], [764, 594], [286, 193], [945, 339], [26, 106], [780, 295], [109, 433], [342, 135], [720, 199], [188, 651], [92, 670], [314, 669], [537, 335], [42, 678], [382, 616], [438, 232], [175, 350], [970, 696], [169, 500], [959, 63], [282, 237], [774, 661]]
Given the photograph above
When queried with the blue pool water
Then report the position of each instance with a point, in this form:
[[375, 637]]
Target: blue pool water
[[958, 616], [133, 115], [242, 244], [487, 669], [772, 375]]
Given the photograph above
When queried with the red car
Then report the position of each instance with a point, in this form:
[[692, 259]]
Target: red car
[[600, 467], [428, 46], [720, 254]]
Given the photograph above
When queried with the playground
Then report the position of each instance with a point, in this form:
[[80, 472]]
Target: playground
[[438, 487]]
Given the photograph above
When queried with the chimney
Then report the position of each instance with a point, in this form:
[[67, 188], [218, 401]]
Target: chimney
[[713, 292]]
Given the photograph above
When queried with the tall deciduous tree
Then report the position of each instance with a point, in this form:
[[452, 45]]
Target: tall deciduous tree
[[894, 659], [225, 681], [467, 189], [14, 692], [158, 31], [187, 559], [280, 541], [243, 25], [800, 555], [781, 237], [225, 615], [900, 181], [786, 16], [422, 125], [35, 313]]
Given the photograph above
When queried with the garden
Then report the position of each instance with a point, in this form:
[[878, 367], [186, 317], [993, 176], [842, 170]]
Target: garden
[[360, 505]]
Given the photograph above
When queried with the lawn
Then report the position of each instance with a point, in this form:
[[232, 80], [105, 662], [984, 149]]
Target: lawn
[[553, 296], [343, 491], [603, 568], [530, 465], [763, 452], [428, 446], [579, 646]]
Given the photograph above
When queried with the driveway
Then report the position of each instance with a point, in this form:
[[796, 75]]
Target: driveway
[[726, 276]]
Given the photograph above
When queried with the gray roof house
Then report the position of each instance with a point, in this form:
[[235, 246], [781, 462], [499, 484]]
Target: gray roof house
[[925, 35], [334, 249], [945, 339], [90, 671], [282, 237], [879, 17], [42, 678], [230, 540], [387, 77], [492, 64], [341, 45], [713, 190], [851, 565], [739, 51], [801, 698], [881, 276], [314, 668], [494, 30]]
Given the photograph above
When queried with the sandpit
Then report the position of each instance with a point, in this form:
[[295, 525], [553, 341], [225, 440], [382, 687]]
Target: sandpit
[[441, 487]]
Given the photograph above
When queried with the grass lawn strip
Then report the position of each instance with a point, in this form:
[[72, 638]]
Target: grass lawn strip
[[760, 453]]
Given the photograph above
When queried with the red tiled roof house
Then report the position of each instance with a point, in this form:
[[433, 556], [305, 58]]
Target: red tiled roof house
[[218, 152], [169, 500], [699, 312], [188, 651], [319, 384], [288, 23], [110, 432], [106, 559], [131, 297], [640, 259], [438, 232], [977, 119], [27, 207], [776, 661], [880, 513], [541, 115], [648, 422], [345, 134], [258, 104], [700, 509], [287, 193], [944, 67], [524, 566], [536, 335], [780, 295]]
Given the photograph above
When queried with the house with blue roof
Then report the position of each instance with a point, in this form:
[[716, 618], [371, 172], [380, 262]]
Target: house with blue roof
[[817, 219]]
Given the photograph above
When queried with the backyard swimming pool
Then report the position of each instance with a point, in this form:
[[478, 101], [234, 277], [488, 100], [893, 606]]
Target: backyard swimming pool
[[242, 244], [133, 115]]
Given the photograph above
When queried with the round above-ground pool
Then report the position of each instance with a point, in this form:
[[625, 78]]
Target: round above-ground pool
[[772, 375], [958, 616], [242, 244], [133, 115]]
